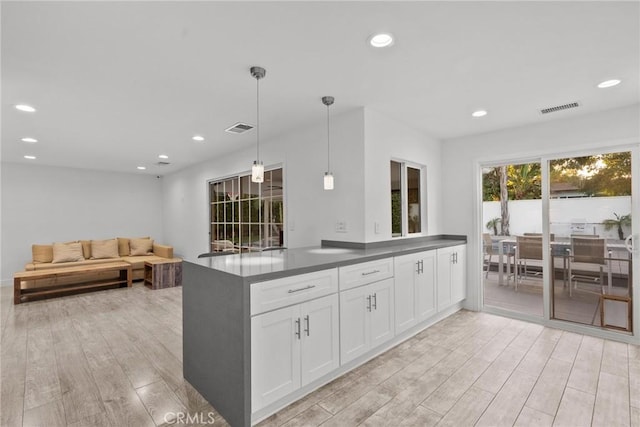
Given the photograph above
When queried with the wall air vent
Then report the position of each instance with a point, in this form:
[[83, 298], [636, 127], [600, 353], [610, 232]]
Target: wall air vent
[[239, 128], [559, 108], [163, 163]]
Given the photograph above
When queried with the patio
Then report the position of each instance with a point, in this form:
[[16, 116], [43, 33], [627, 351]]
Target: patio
[[582, 306]]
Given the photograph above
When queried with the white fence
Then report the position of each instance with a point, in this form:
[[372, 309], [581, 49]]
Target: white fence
[[567, 216]]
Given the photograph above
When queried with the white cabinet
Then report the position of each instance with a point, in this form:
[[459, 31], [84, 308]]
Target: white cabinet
[[366, 318], [292, 347], [275, 355], [415, 289], [451, 275]]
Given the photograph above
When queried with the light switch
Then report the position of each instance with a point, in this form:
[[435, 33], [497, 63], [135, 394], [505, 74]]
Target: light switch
[[376, 227]]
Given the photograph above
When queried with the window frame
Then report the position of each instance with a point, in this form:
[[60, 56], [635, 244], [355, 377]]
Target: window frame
[[404, 198], [244, 221]]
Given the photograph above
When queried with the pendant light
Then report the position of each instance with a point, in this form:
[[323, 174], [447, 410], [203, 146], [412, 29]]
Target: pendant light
[[328, 176], [257, 170]]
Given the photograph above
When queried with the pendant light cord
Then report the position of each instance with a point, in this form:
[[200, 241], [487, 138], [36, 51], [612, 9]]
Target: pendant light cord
[[328, 144], [258, 118]]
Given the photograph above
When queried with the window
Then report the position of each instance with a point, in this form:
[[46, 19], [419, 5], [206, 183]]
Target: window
[[406, 199], [246, 214]]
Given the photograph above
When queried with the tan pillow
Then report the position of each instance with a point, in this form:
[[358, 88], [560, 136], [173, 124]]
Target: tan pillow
[[141, 247], [123, 246], [67, 252], [104, 249], [86, 248], [42, 253]]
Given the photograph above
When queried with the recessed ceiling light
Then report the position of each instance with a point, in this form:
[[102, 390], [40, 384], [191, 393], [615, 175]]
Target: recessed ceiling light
[[26, 108], [141, 168], [608, 83], [381, 40], [163, 156], [30, 157], [198, 138], [479, 113], [29, 140]]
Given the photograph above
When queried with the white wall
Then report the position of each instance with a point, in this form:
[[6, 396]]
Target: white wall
[[311, 212], [362, 143], [44, 204], [460, 180], [386, 138], [525, 216]]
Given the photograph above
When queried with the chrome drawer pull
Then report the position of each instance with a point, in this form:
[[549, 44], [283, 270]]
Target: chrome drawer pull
[[297, 331], [301, 289], [371, 272]]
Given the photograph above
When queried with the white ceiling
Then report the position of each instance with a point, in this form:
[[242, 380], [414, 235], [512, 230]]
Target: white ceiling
[[116, 84]]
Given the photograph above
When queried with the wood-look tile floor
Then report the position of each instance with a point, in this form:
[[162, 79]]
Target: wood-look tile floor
[[114, 358]]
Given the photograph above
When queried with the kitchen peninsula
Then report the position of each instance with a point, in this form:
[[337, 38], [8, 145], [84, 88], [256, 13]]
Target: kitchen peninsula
[[263, 329]]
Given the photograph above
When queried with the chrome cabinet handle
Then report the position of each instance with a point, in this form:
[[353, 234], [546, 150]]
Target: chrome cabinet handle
[[297, 333], [375, 301], [306, 320], [418, 267], [421, 266], [368, 302], [370, 272], [301, 289]]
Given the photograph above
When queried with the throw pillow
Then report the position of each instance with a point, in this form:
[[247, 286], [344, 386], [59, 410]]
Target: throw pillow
[[104, 249], [42, 253], [86, 248], [67, 252], [141, 247], [123, 246]]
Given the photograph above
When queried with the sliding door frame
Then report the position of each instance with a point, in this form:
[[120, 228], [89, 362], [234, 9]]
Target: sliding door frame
[[544, 157]]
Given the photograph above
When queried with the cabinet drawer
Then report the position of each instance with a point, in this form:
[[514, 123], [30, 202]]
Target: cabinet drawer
[[272, 294], [366, 272]]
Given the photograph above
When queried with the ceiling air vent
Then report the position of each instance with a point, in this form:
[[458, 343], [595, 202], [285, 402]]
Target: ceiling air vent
[[559, 108], [163, 163], [239, 128]]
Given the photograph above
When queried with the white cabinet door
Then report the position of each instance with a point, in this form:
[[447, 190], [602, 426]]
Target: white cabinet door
[[382, 311], [458, 274], [366, 318], [320, 338], [406, 269], [426, 286], [275, 355], [354, 323], [445, 259]]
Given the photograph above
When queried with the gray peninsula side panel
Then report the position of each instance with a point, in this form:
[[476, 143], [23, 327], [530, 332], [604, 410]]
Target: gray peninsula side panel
[[216, 340]]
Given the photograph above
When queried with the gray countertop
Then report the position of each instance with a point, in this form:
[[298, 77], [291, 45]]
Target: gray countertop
[[260, 266]]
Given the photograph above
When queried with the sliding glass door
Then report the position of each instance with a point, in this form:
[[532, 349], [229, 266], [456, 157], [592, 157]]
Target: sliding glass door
[[557, 238], [591, 215], [512, 238]]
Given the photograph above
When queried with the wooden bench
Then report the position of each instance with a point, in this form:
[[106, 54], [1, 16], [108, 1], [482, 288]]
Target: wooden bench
[[125, 278]]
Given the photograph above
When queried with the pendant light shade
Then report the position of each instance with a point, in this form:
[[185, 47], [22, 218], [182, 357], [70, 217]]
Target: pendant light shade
[[328, 176], [328, 181], [257, 170]]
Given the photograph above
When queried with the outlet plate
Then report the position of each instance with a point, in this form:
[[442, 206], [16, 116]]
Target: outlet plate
[[341, 226]]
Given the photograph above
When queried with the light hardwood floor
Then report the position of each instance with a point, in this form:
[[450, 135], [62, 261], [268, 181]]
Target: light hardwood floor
[[115, 358]]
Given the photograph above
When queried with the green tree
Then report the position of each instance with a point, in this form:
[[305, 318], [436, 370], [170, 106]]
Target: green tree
[[600, 175], [524, 181]]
